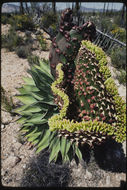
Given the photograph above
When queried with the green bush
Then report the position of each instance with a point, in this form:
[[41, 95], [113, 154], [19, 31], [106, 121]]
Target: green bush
[[42, 42], [33, 59], [49, 19], [23, 22], [120, 32], [11, 40], [7, 102], [122, 77], [23, 51], [6, 18], [118, 57]]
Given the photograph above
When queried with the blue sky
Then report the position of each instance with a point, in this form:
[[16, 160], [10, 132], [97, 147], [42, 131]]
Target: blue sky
[[96, 5]]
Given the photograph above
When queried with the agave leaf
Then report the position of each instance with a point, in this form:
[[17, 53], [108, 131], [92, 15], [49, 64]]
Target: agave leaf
[[21, 120], [77, 151], [28, 124], [40, 82], [37, 119], [52, 141], [42, 96], [44, 77], [36, 107], [63, 146], [34, 136], [18, 110], [70, 154], [29, 80], [30, 88], [44, 142], [43, 146], [45, 68], [31, 131], [55, 150], [66, 158], [32, 109], [22, 90], [52, 135], [26, 99]]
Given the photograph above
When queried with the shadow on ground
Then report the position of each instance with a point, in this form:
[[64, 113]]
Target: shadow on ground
[[108, 156], [39, 173]]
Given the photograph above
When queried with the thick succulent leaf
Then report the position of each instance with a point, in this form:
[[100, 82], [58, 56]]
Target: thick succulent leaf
[[28, 124], [44, 67], [29, 80], [43, 146], [34, 136], [21, 120], [18, 110], [30, 88], [22, 90], [52, 141], [52, 135], [42, 96], [77, 151], [40, 81], [32, 130], [45, 78], [37, 119], [55, 149], [26, 99], [64, 148], [44, 142], [32, 109]]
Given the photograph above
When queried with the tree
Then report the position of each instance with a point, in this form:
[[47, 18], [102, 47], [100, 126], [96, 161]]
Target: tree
[[54, 7], [77, 7], [123, 15], [21, 8]]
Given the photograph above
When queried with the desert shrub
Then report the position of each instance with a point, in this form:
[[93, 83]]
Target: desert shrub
[[118, 57], [118, 20], [23, 22], [49, 19], [120, 32], [11, 40], [106, 24], [122, 77], [4, 19], [23, 51], [33, 59], [42, 42], [6, 100]]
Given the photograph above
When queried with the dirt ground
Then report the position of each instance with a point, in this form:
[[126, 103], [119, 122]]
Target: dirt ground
[[104, 166]]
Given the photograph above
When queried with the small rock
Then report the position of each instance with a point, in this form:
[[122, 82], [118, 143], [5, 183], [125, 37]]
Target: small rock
[[124, 147], [2, 126], [6, 118], [88, 174], [108, 181], [24, 166], [11, 161], [17, 145]]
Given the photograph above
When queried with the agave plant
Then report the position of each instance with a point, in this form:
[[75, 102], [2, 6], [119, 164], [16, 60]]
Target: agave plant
[[72, 102], [38, 106]]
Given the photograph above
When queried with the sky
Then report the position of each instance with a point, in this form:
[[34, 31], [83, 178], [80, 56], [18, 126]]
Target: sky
[[95, 5]]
